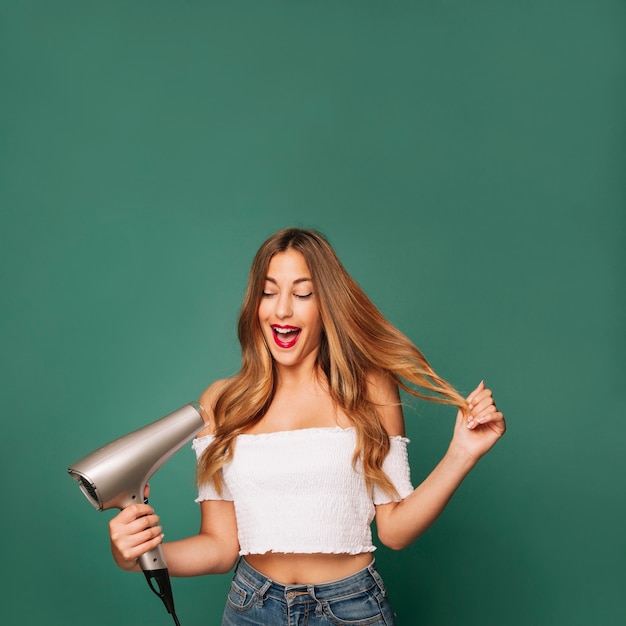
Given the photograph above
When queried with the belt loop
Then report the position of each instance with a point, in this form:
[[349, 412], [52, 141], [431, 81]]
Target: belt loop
[[260, 594], [377, 577], [318, 604]]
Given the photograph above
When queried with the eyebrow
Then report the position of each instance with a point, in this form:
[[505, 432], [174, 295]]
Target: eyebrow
[[295, 282]]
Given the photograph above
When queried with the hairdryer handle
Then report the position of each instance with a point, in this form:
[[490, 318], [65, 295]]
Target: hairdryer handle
[[154, 559], [155, 570]]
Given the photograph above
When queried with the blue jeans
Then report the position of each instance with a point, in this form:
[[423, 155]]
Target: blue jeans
[[357, 600]]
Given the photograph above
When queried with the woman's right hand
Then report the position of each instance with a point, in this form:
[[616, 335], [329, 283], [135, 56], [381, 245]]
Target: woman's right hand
[[134, 531]]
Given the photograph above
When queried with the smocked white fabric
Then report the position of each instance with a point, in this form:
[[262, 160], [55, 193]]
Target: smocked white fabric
[[296, 491]]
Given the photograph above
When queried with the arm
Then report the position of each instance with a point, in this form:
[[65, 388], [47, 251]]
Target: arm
[[400, 523], [213, 550]]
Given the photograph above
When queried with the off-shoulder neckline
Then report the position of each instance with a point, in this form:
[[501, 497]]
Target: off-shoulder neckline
[[295, 431], [310, 429]]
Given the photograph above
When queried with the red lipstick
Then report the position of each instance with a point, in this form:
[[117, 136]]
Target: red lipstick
[[285, 336]]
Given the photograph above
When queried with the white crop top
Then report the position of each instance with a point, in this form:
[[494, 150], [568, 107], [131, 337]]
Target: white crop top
[[296, 491]]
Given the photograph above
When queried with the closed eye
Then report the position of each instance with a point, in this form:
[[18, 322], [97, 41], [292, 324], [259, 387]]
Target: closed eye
[[305, 296]]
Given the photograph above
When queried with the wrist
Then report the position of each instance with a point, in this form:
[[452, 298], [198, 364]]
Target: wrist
[[460, 458], [126, 565]]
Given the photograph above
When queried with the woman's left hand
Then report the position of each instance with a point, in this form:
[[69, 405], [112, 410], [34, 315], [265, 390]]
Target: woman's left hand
[[477, 432]]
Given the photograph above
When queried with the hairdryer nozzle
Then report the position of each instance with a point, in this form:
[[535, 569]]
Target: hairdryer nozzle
[[89, 489], [116, 474]]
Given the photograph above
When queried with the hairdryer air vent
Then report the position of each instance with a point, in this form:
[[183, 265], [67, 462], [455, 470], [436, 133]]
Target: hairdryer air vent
[[88, 488]]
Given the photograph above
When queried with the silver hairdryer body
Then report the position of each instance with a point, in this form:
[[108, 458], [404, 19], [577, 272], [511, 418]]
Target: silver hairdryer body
[[115, 476]]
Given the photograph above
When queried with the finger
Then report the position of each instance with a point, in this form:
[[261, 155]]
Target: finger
[[148, 535], [134, 511], [488, 415], [142, 523], [472, 396], [479, 396], [480, 417], [482, 403], [493, 418], [118, 527], [131, 551], [131, 535]]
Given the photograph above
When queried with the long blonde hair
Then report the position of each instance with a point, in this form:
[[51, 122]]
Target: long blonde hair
[[357, 340]]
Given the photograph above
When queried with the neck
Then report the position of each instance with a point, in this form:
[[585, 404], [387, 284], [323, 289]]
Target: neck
[[301, 376]]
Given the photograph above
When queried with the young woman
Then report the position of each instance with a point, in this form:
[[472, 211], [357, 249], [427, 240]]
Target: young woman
[[305, 446]]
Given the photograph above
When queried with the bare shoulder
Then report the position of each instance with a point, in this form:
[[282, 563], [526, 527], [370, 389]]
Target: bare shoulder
[[383, 392], [207, 403]]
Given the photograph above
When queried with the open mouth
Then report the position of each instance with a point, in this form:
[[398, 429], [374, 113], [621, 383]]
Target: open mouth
[[286, 336]]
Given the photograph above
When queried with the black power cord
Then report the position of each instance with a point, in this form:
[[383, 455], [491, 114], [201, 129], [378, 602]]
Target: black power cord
[[159, 582]]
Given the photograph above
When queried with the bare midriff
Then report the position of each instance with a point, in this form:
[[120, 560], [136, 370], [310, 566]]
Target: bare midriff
[[313, 569]]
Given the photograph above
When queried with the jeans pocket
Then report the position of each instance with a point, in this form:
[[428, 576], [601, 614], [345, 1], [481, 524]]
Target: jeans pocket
[[360, 609], [241, 596]]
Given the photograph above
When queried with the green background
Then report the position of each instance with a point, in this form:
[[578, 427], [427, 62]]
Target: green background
[[467, 161]]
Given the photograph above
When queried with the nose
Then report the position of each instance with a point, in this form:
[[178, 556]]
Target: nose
[[283, 306]]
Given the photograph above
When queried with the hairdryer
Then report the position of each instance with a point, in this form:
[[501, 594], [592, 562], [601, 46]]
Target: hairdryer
[[115, 476]]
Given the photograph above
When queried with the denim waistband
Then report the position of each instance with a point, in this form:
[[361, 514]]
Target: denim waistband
[[365, 578]]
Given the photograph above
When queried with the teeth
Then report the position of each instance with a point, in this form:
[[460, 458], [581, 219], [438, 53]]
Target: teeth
[[284, 331]]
